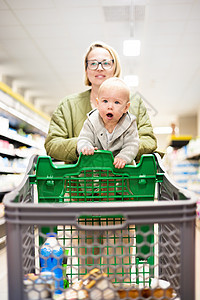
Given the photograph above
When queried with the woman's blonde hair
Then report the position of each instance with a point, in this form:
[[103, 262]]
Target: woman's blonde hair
[[112, 52]]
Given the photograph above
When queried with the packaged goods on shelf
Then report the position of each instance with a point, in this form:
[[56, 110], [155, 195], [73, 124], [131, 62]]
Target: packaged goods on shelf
[[22, 133], [186, 174], [10, 181], [4, 123], [183, 165], [193, 148]]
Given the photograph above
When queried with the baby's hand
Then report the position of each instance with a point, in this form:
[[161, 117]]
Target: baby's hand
[[119, 163], [88, 150]]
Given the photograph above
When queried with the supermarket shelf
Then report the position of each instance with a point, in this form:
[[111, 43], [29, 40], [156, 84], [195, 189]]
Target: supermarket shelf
[[13, 153], [194, 156], [7, 152], [16, 107], [12, 170], [18, 98], [184, 166], [18, 138], [179, 141], [22, 132]]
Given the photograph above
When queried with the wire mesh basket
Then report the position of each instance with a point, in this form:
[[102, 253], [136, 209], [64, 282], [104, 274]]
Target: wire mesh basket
[[130, 247]]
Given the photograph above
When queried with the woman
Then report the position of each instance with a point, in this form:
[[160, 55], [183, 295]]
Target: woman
[[101, 63]]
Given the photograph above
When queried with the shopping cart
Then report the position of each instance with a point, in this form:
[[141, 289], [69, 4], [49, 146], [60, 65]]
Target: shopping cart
[[122, 241]]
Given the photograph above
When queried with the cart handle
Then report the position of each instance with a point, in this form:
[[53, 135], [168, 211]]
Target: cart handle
[[101, 227], [101, 159]]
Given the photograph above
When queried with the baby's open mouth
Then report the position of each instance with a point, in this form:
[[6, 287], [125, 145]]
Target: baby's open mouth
[[109, 115]]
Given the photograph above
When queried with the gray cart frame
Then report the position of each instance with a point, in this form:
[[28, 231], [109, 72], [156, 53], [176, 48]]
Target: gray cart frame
[[175, 205]]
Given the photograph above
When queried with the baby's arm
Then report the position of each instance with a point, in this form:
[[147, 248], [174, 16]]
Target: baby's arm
[[119, 163], [130, 147], [85, 143], [88, 150]]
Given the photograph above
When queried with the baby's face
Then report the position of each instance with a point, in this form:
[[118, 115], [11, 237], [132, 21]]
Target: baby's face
[[112, 104]]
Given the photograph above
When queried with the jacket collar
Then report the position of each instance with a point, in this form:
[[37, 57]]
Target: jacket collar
[[97, 122]]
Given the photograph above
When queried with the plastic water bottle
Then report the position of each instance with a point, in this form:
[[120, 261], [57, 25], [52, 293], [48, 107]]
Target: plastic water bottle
[[51, 257]]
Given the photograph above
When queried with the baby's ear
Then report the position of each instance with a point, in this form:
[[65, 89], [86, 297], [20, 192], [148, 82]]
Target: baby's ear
[[127, 106]]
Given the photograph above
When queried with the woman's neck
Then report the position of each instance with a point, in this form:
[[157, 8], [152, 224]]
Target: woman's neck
[[93, 95]]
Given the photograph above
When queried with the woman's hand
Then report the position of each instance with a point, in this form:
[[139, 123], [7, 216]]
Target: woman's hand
[[119, 163]]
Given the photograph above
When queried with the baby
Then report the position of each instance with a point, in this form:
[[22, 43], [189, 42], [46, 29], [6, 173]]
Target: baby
[[110, 126]]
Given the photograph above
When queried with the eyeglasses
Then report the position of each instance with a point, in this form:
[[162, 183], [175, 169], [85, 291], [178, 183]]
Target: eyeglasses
[[94, 64]]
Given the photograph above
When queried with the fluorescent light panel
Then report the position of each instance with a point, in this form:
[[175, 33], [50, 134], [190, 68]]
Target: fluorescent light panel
[[162, 130]]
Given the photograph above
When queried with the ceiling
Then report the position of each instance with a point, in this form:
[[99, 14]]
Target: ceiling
[[43, 43]]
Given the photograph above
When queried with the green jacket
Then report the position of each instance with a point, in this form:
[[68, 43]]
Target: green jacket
[[68, 119]]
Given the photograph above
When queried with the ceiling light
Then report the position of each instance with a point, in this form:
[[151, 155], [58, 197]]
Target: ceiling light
[[131, 80], [131, 47], [162, 130]]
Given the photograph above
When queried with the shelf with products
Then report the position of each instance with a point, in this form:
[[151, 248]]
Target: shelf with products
[[178, 141], [183, 165], [28, 140], [23, 129], [16, 147], [193, 149], [14, 144], [8, 182], [19, 111], [12, 152], [15, 152], [15, 160]]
